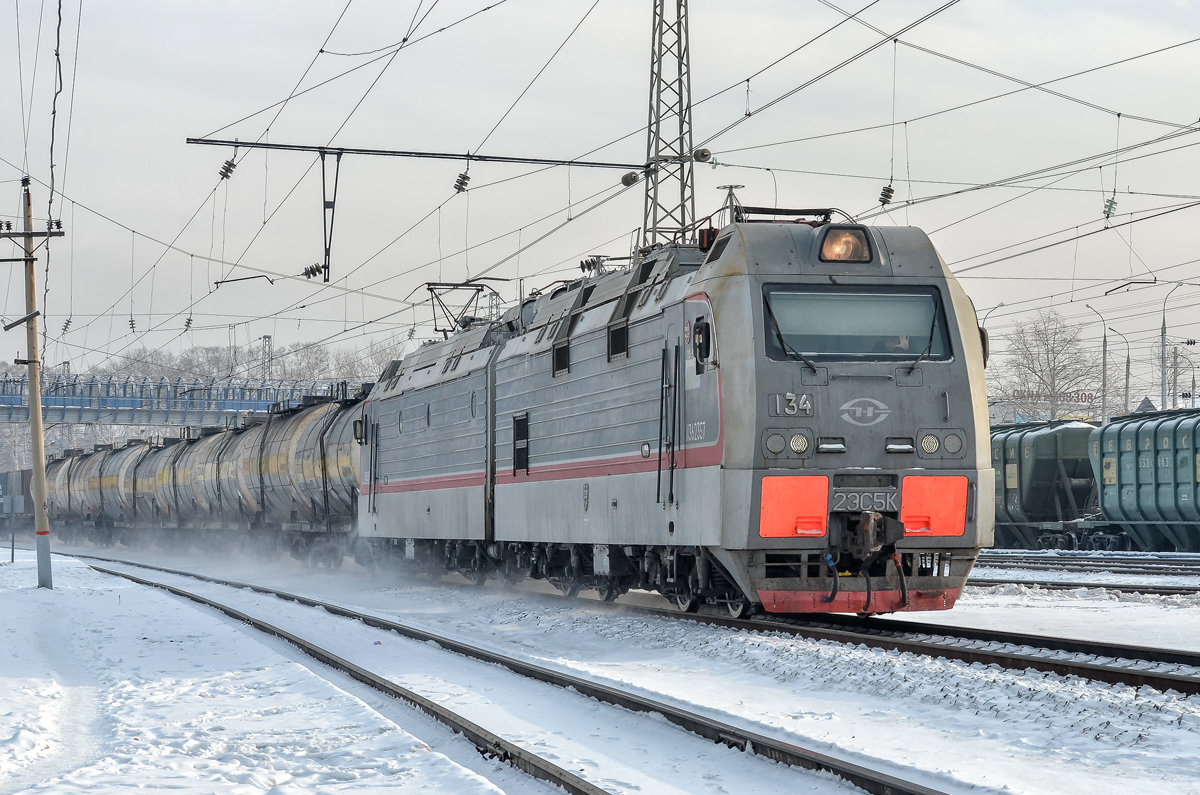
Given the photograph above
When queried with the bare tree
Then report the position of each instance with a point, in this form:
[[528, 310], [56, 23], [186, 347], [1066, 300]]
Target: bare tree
[[303, 362], [140, 361], [365, 364], [1046, 371], [206, 361]]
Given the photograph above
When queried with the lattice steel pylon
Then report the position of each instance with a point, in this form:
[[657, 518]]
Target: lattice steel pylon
[[267, 357], [670, 207]]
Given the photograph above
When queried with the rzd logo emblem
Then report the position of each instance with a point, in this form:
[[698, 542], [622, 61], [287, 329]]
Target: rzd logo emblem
[[865, 411]]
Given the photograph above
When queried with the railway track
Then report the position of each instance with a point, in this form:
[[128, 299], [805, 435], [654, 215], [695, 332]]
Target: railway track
[[492, 743], [1134, 666], [1062, 585], [1140, 564]]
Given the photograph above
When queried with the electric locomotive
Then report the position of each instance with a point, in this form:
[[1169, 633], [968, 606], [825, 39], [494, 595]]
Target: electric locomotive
[[792, 417]]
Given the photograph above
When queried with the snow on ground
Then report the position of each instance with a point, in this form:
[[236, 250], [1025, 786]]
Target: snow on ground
[[165, 694], [107, 688]]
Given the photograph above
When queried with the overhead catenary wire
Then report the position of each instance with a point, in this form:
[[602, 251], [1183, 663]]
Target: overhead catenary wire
[[293, 93], [491, 6], [927, 16], [406, 43], [843, 64], [994, 73], [1002, 95], [770, 172]]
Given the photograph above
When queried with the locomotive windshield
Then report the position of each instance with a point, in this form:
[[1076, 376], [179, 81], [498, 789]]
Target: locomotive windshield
[[807, 322]]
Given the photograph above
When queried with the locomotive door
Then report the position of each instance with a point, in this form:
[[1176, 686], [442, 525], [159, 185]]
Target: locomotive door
[[690, 422], [671, 413], [668, 424], [372, 467]]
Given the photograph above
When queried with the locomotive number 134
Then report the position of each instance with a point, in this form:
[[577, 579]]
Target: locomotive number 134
[[789, 404]]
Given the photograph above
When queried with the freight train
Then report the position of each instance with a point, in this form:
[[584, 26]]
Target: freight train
[[1131, 484], [287, 478], [790, 417]]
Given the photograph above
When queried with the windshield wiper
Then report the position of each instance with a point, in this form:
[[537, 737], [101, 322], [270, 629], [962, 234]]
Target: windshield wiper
[[937, 306], [783, 343]]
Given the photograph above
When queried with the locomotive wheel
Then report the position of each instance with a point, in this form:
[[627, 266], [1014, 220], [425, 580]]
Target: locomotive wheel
[[740, 607], [686, 601], [610, 590]]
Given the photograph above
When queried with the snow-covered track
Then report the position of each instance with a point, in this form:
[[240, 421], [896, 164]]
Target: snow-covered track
[[489, 743], [1167, 564], [1059, 585], [1135, 666]]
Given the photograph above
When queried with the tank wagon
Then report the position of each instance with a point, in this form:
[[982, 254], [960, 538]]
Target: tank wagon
[[291, 479], [1130, 484], [792, 417]]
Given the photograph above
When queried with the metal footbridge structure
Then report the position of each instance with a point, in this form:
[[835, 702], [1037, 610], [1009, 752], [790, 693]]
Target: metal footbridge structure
[[142, 400]]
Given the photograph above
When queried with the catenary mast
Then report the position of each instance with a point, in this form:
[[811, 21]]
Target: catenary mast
[[670, 206]]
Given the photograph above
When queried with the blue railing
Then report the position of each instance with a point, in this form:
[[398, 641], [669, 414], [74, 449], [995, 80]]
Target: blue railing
[[134, 399]]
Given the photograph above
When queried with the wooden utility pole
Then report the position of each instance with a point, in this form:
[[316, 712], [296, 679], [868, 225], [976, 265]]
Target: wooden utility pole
[[41, 523]]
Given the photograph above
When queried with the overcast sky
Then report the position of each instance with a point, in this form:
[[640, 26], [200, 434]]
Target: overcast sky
[[141, 77]]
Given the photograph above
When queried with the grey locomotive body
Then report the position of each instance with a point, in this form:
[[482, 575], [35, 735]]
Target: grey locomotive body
[[790, 419]]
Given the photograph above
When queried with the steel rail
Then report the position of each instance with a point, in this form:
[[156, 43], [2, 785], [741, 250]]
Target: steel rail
[[1174, 563], [488, 743], [1053, 585], [1183, 568], [893, 635], [745, 740]]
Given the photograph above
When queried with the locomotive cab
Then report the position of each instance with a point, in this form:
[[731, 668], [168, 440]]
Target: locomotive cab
[[857, 414]]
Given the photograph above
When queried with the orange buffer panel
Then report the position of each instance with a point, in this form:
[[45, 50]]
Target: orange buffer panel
[[794, 507], [934, 505]]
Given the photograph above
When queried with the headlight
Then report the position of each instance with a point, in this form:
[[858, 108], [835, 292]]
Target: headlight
[[799, 443], [845, 244], [929, 444]]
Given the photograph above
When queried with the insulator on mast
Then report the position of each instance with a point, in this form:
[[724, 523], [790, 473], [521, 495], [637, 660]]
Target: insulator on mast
[[460, 184], [227, 169], [1110, 206], [885, 195]]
